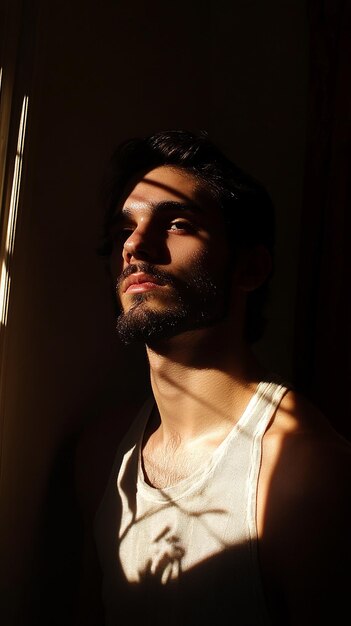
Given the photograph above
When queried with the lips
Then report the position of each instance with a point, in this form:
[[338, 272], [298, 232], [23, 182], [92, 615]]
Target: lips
[[139, 282]]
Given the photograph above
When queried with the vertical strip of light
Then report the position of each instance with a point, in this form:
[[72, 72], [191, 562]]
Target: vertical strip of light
[[5, 280]]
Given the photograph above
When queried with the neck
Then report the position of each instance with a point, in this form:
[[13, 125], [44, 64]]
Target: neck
[[199, 385]]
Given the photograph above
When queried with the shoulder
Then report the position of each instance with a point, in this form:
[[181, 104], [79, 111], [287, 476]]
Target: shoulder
[[304, 452], [306, 504], [303, 430], [96, 448]]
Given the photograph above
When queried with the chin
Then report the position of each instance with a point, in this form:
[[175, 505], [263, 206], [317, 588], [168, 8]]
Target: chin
[[144, 323], [147, 324]]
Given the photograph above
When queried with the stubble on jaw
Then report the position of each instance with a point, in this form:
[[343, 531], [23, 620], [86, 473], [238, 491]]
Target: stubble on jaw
[[194, 302]]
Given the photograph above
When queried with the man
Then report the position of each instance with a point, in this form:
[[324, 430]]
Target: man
[[229, 496]]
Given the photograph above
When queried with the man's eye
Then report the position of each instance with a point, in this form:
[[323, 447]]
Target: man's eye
[[180, 226]]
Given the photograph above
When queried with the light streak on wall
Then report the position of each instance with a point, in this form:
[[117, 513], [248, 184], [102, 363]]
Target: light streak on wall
[[5, 280]]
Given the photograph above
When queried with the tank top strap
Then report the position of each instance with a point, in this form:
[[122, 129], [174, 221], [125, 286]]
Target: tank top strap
[[268, 398], [262, 407]]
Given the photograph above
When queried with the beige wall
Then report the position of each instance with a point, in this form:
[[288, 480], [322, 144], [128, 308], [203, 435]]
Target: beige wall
[[102, 72]]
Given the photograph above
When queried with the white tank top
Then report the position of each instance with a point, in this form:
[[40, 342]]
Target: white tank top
[[186, 554]]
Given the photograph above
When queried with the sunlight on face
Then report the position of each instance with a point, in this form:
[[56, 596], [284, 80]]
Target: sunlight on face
[[174, 257]]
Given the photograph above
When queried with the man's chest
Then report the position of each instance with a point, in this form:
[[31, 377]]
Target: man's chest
[[164, 466]]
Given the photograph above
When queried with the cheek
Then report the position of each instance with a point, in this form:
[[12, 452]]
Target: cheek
[[184, 249], [214, 257], [199, 265]]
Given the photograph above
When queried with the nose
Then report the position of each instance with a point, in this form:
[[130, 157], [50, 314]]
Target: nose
[[139, 246]]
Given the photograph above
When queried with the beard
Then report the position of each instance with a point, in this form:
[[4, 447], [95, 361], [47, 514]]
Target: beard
[[196, 301]]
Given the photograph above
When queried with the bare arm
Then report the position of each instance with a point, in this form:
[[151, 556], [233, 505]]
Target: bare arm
[[306, 545]]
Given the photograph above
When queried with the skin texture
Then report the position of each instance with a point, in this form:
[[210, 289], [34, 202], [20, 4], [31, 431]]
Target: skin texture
[[303, 513]]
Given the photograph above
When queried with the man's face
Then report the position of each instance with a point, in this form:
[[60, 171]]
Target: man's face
[[172, 258]]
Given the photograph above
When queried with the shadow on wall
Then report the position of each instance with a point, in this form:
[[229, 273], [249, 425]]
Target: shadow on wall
[[56, 572]]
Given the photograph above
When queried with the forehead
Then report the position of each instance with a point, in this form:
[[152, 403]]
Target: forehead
[[172, 184]]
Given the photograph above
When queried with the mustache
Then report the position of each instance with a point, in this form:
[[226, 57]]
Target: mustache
[[147, 268]]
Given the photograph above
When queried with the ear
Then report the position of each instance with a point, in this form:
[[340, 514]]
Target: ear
[[254, 265]]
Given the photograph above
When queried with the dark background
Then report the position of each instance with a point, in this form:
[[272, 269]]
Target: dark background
[[270, 82]]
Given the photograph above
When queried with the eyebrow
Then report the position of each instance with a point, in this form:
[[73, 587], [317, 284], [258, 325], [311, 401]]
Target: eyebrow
[[165, 205]]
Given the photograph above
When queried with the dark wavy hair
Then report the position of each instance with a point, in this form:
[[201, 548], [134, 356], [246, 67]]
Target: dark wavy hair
[[245, 203]]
